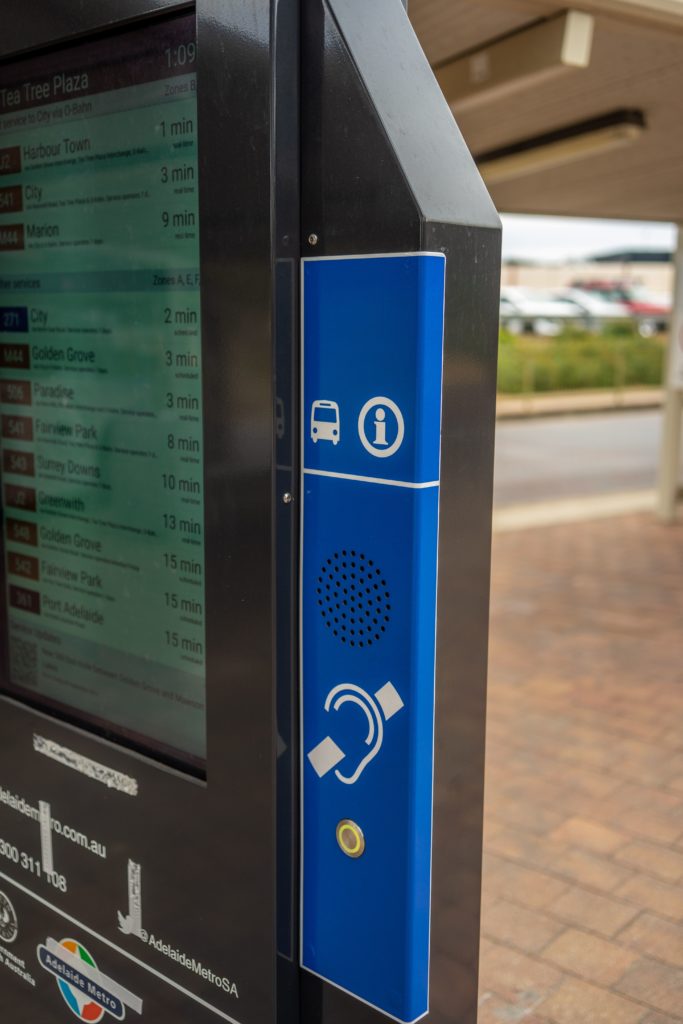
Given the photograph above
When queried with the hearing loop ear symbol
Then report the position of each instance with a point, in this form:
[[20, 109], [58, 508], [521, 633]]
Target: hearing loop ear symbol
[[350, 693], [378, 708]]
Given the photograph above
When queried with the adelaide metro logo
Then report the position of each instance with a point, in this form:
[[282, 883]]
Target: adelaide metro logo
[[8, 920], [80, 1003], [87, 992]]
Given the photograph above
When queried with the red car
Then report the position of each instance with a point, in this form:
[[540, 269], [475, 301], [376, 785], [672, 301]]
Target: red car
[[651, 312]]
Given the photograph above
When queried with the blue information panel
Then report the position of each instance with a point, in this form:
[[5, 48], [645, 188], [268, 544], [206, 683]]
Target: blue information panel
[[372, 366]]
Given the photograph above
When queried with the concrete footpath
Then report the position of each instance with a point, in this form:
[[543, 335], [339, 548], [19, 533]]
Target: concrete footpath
[[559, 403], [583, 887]]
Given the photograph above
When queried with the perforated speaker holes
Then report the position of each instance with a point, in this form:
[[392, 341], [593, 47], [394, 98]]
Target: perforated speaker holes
[[353, 598]]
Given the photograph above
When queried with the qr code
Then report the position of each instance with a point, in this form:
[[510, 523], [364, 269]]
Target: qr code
[[24, 663]]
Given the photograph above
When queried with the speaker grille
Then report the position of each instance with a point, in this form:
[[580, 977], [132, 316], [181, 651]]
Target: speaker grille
[[354, 598]]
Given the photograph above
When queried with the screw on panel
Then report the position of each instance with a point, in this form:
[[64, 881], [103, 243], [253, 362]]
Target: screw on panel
[[312, 238], [287, 498]]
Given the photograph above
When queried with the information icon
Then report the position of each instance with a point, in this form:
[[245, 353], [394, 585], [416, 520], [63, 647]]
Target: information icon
[[380, 427]]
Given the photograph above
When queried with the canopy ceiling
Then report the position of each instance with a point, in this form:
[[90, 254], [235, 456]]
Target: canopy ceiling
[[636, 62]]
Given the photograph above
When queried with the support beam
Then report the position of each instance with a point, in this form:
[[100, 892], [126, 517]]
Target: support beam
[[656, 12], [525, 58], [561, 146], [672, 421]]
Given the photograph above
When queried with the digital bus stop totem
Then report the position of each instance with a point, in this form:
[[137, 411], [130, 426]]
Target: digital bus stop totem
[[248, 329]]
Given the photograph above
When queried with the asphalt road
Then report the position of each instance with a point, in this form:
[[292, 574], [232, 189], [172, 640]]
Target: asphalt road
[[550, 458]]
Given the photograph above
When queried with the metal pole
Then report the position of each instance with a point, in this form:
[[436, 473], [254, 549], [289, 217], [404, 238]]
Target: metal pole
[[672, 420]]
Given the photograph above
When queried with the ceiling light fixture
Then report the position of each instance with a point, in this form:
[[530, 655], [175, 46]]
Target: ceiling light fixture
[[562, 146]]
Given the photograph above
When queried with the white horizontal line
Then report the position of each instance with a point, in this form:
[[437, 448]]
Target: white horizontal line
[[118, 949], [92, 769], [373, 479], [370, 256]]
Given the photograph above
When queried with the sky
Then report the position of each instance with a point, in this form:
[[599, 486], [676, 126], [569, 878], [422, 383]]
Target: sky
[[555, 239]]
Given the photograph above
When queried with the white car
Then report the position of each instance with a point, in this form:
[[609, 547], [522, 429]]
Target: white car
[[535, 311], [596, 309]]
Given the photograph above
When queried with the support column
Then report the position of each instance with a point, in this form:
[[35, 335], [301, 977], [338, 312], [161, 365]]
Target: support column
[[668, 486]]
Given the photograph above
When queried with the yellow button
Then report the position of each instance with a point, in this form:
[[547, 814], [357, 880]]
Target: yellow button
[[350, 838]]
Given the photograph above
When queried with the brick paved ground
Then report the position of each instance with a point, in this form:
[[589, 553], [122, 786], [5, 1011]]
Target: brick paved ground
[[583, 886]]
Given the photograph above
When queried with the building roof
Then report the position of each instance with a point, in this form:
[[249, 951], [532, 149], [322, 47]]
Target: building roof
[[632, 256]]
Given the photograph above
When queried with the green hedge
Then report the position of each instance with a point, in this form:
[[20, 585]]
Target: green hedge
[[616, 358]]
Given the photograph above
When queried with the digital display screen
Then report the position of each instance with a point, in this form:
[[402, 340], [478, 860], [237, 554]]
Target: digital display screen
[[100, 386]]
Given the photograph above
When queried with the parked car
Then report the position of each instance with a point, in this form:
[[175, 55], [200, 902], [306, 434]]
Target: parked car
[[651, 312], [535, 311], [595, 308]]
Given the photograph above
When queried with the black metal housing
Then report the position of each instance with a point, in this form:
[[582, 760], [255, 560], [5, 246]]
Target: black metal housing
[[331, 127], [385, 169]]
